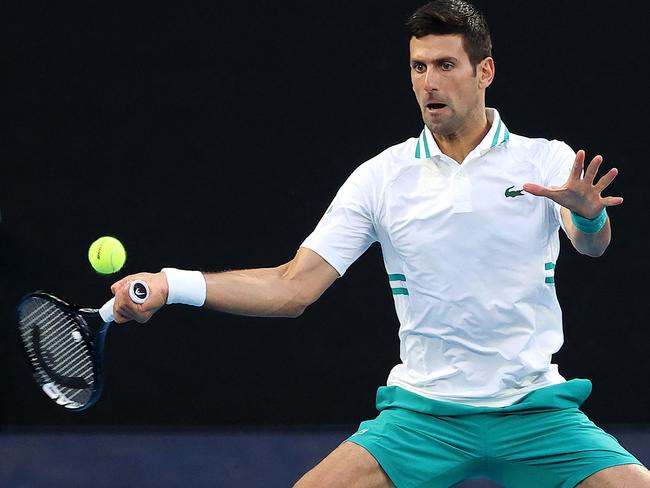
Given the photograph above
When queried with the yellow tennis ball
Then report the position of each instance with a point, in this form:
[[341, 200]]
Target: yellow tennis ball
[[107, 255]]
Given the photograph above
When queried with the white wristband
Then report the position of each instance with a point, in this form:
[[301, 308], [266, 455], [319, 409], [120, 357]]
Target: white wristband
[[187, 287]]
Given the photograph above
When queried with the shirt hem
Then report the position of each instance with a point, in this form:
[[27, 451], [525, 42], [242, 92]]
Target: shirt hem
[[500, 401]]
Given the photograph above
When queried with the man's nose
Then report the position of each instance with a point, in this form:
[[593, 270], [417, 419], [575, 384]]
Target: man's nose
[[430, 80]]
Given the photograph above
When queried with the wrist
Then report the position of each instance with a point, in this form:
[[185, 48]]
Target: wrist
[[186, 287], [589, 226]]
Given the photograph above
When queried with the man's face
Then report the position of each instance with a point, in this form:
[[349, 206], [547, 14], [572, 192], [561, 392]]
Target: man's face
[[445, 83]]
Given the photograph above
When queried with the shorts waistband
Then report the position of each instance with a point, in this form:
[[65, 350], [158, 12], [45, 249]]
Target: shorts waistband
[[569, 394]]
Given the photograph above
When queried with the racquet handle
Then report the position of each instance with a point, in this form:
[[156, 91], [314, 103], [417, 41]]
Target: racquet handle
[[106, 312], [138, 291]]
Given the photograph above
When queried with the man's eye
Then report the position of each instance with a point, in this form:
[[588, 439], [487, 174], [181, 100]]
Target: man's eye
[[419, 67], [446, 66]]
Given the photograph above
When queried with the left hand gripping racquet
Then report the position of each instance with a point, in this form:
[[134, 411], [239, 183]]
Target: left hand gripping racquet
[[65, 354]]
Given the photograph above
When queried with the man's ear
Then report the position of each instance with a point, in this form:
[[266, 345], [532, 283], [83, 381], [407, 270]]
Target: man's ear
[[485, 72]]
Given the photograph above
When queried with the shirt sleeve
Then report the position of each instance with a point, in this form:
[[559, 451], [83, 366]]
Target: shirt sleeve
[[347, 229], [561, 161]]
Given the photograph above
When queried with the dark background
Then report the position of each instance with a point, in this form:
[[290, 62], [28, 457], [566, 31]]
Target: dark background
[[213, 136]]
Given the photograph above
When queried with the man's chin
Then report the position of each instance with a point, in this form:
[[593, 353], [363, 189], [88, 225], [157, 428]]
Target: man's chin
[[436, 125]]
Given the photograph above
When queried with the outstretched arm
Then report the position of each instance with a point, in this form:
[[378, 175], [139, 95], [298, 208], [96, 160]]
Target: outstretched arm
[[581, 196], [283, 291]]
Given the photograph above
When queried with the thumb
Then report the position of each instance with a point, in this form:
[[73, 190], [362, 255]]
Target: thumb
[[535, 189]]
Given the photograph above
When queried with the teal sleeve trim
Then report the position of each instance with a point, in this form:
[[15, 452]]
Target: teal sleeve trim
[[400, 291], [396, 277]]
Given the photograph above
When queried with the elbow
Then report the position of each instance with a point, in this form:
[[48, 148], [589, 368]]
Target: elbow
[[592, 247], [299, 294], [294, 307], [296, 311], [593, 251], [299, 304]]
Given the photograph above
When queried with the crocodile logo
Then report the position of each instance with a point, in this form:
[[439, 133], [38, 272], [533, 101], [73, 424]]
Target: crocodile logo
[[513, 193]]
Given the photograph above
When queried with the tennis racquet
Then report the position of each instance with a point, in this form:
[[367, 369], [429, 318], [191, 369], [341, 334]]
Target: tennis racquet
[[65, 353]]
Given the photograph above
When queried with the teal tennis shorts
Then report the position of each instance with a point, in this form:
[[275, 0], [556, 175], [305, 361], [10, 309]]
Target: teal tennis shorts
[[543, 440]]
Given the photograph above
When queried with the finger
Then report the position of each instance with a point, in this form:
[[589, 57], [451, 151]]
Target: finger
[[120, 312], [578, 166], [122, 300], [612, 201], [125, 309], [123, 315], [116, 286], [131, 310], [119, 317], [538, 190], [592, 169], [127, 279], [606, 179], [142, 319]]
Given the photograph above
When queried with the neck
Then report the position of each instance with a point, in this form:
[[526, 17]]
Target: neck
[[459, 143]]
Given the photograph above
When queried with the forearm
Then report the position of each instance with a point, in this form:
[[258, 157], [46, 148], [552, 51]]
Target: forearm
[[284, 291], [263, 292], [593, 245]]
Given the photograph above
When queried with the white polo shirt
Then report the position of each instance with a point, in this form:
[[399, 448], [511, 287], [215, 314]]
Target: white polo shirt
[[470, 260]]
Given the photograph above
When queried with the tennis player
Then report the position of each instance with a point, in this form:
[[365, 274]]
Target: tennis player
[[467, 215]]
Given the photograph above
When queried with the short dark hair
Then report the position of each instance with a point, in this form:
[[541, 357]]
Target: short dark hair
[[453, 17]]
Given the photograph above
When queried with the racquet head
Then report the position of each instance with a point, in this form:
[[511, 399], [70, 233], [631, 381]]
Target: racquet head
[[64, 354]]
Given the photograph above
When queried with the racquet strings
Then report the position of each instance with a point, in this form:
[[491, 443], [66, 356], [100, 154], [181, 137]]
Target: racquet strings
[[60, 356]]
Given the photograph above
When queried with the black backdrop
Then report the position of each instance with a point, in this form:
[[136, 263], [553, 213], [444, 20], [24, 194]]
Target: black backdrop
[[213, 136]]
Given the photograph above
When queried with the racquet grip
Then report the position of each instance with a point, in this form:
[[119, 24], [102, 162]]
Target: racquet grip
[[138, 291], [106, 312]]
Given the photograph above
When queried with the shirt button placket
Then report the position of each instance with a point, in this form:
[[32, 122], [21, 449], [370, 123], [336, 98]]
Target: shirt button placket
[[462, 192]]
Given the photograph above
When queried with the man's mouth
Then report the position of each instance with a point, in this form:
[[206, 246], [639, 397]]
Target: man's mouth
[[433, 106]]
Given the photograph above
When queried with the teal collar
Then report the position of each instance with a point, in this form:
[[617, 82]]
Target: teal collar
[[498, 134]]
